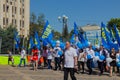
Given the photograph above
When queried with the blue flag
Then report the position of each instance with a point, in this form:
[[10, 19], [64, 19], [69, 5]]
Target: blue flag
[[17, 40], [103, 36], [117, 34], [46, 31], [75, 29], [112, 35], [37, 40], [72, 40], [47, 34], [31, 43]]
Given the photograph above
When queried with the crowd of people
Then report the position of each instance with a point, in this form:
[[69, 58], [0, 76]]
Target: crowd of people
[[74, 60]]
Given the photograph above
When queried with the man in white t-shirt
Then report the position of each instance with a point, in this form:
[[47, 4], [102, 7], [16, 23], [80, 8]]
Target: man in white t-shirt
[[89, 52], [23, 57], [70, 62], [57, 57]]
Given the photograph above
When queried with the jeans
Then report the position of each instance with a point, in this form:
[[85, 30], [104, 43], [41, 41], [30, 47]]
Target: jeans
[[89, 65], [66, 71], [49, 64], [57, 63], [22, 59]]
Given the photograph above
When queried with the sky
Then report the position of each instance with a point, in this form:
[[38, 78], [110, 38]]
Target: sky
[[82, 12]]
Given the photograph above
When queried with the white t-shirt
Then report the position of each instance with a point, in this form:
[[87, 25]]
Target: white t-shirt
[[69, 57], [91, 53], [80, 57], [49, 55], [23, 54], [106, 52], [57, 49]]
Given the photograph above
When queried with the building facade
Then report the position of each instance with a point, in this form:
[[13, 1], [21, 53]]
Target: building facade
[[16, 13], [93, 34]]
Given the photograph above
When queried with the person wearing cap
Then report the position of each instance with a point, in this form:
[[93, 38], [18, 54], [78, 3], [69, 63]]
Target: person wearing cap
[[23, 57], [57, 56], [70, 62]]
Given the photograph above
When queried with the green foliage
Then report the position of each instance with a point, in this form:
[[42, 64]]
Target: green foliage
[[71, 33], [56, 35], [36, 23], [114, 21], [7, 38]]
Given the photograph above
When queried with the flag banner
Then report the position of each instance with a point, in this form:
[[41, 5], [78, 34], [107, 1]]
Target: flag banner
[[117, 34], [36, 40], [17, 40], [46, 31], [31, 43]]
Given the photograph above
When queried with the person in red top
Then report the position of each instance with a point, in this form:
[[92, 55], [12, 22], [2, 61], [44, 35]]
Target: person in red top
[[35, 57]]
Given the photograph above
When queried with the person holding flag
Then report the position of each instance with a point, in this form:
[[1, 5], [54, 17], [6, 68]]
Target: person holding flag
[[35, 52]]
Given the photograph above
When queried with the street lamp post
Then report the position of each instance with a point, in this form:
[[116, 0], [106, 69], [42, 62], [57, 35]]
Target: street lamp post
[[63, 20]]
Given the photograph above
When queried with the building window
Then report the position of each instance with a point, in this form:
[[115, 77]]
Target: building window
[[23, 11], [15, 10], [6, 21], [22, 23], [7, 8], [7, 1], [20, 11], [15, 22], [10, 2], [3, 21], [12, 21], [12, 9], [3, 7]]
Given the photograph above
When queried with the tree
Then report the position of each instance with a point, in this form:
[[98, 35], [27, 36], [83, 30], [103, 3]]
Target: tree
[[36, 26], [114, 21], [56, 34], [41, 20], [32, 18], [7, 38]]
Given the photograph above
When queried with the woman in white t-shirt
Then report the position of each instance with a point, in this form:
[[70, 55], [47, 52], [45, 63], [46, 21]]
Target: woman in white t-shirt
[[81, 60], [49, 58]]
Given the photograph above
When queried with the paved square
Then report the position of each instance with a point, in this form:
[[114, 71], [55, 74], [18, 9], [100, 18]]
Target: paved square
[[21, 73]]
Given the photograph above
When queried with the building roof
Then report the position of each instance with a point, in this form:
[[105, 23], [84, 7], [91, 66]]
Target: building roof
[[90, 27]]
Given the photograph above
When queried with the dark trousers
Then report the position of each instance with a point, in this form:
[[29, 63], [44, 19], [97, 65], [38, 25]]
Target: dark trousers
[[57, 63], [104, 64], [49, 64], [89, 65], [66, 71], [81, 64], [101, 66], [45, 61], [118, 70], [22, 59]]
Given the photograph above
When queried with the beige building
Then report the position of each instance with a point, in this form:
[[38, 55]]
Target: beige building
[[16, 13], [92, 32]]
